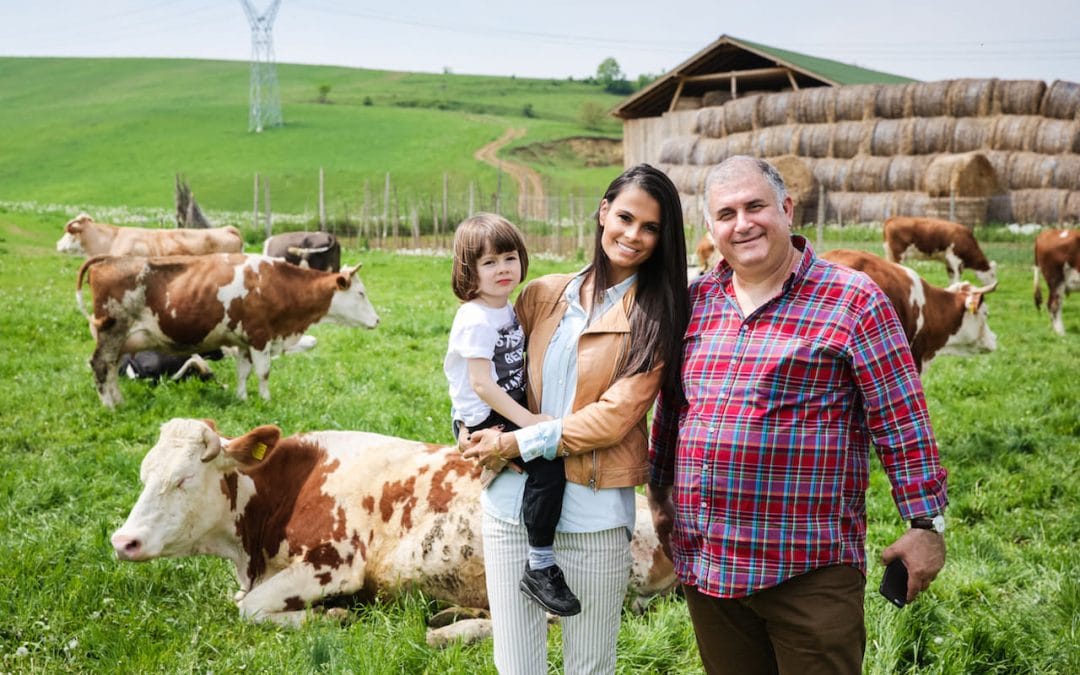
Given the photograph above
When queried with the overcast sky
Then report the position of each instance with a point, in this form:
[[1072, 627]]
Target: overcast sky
[[923, 39]]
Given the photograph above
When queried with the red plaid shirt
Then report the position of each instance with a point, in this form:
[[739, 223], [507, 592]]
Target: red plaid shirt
[[770, 455]]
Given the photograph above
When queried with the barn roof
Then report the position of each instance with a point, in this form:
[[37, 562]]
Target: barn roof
[[742, 66]]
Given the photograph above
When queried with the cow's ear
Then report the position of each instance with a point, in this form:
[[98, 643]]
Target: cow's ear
[[344, 281], [210, 423], [253, 446], [74, 227]]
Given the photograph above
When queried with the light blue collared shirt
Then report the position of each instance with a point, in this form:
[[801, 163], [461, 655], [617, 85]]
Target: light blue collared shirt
[[584, 509]]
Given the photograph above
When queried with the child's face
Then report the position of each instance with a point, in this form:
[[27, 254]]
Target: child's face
[[498, 274]]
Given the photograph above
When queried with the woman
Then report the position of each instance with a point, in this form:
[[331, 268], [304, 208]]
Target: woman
[[601, 344]]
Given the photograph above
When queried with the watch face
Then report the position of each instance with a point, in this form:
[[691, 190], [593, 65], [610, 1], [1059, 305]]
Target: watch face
[[939, 523]]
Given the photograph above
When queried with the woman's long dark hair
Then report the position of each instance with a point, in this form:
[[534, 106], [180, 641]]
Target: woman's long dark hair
[[661, 306]]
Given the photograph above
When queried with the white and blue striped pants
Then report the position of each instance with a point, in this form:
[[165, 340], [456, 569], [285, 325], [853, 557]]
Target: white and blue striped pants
[[597, 570]]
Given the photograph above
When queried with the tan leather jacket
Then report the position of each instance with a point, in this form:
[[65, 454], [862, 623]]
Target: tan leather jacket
[[604, 439]]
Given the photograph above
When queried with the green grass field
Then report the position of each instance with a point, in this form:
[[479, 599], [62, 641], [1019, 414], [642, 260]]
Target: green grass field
[[1008, 600], [106, 132]]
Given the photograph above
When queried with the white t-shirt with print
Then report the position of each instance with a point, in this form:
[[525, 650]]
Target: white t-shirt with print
[[482, 332]]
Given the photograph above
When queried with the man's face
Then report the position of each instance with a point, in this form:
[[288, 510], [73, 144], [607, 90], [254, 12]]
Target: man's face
[[751, 230]]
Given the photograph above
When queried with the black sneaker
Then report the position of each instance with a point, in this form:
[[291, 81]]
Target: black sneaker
[[548, 588]]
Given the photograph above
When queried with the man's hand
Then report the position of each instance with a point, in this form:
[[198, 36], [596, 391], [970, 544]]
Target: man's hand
[[923, 553], [663, 515]]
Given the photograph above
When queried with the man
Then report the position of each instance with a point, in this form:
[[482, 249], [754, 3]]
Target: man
[[792, 367]]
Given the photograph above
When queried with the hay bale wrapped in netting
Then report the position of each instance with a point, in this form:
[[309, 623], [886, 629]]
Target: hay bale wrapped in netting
[[816, 105], [856, 102], [688, 178], [1047, 206], [774, 141], [852, 138], [894, 101], [1015, 132], [741, 114], [1062, 100], [741, 143], [965, 175], [930, 99], [970, 97], [832, 174], [1023, 170], [868, 173], [873, 207], [677, 149], [1055, 136], [1066, 172], [893, 137], [931, 135], [815, 140], [710, 151], [906, 172], [798, 178], [775, 109], [710, 122], [715, 97], [973, 133], [970, 211], [1017, 97]]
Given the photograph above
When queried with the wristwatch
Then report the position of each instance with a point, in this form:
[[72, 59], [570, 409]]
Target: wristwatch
[[935, 523]]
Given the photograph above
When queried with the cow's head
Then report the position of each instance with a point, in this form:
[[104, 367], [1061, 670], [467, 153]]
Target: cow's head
[[350, 305], [988, 277], [71, 242], [185, 505], [974, 335]]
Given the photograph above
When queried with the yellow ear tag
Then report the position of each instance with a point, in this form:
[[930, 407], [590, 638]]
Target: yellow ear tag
[[259, 451]]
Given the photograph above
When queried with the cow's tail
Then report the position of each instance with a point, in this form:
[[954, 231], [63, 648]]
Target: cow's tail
[[1037, 288], [78, 286]]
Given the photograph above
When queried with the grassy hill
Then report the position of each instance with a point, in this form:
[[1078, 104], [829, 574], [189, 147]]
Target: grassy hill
[[89, 132]]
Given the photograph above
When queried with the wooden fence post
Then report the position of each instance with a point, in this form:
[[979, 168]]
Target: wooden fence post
[[255, 204], [266, 207], [322, 203]]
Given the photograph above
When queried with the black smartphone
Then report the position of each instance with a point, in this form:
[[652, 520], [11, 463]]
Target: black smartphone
[[894, 583]]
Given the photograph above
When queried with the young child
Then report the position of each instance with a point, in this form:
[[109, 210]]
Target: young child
[[485, 365]]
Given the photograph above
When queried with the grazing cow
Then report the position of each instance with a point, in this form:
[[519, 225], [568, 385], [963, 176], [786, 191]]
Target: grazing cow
[[1057, 256], [156, 366], [83, 236], [317, 250], [327, 513], [189, 304], [936, 320], [937, 239], [706, 253]]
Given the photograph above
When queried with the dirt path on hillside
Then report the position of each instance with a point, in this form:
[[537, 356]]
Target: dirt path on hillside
[[531, 202]]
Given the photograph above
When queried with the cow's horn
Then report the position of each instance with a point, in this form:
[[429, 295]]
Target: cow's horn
[[986, 289], [213, 445], [356, 269]]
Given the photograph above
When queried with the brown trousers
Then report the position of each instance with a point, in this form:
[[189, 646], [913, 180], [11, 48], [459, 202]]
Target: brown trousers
[[810, 624]]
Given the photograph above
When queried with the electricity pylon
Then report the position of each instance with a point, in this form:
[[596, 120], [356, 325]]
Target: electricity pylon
[[265, 103]]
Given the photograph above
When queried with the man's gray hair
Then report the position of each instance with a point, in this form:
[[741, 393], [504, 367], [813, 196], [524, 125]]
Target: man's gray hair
[[734, 166]]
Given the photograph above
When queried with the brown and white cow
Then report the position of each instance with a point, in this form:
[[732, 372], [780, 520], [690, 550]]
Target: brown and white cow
[[936, 320], [1057, 257], [327, 513], [84, 236], [189, 304], [317, 250], [936, 239]]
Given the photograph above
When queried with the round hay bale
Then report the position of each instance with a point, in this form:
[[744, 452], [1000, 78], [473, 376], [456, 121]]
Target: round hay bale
[[798, 178], [1071, 210], [1017, 97], [999, 210], [868, 174], [906, 172], [1015, 132], [677, 149], [741, 114], [775, 109], [873, 207], [966, 175], [1062, 100], [930, 99], [1066, 172], [1055, 136], [715, 97], [815, 140], [1047, 206], [709, 151], [693, 208], [970, 98], [910, 203], [856, 102], [973, 133], [893, 101], [710, 122], [970, 211], [852, 138], [931, 135], [689, 179], [892, 137], [999, 159], [741, 143], [775, 141], [816, 105], [1026, 170], [832, 174]]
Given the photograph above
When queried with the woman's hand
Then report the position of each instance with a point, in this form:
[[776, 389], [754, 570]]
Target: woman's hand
[[484, 446]]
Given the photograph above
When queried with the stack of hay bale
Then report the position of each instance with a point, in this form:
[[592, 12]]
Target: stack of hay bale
[[985, 150]]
